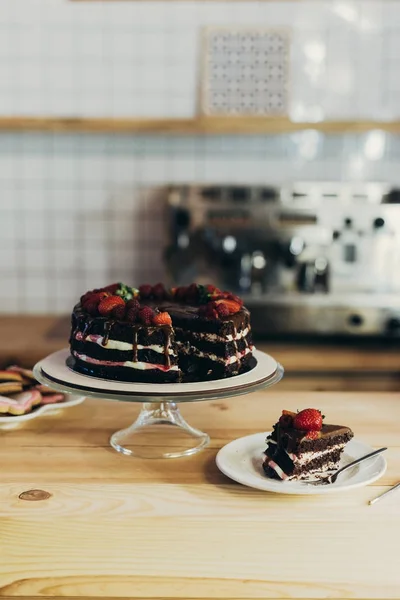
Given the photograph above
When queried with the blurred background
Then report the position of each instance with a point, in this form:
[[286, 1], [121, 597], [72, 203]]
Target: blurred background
[[249, 144]]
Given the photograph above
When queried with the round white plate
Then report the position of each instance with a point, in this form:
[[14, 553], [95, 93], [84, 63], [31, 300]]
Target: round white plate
[[54, 371], [242, 459], [12, 420]]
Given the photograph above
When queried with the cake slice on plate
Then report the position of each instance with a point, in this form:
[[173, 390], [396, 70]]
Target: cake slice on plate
[[302, 447]]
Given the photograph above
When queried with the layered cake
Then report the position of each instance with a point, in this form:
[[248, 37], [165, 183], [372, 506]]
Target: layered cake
[[158, 335], [302, 447]]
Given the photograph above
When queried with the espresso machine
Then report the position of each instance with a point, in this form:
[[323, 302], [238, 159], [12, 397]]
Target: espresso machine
[[308, 258]]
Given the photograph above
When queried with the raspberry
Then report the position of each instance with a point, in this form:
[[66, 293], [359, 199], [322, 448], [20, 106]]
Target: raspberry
[[145, 290], [146, 315], [119, 312], [133, 304], [108, 304], [222, 309], [180, 294], [91, 308], [286, 421], [132, 315], [94, 297], [159, 291], [162, 318], [192, 294]]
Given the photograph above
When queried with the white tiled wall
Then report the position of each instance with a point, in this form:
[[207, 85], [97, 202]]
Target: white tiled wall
[[80, 210]]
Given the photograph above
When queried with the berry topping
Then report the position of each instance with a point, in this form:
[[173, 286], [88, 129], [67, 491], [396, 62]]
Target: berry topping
[[133, 304], [286, 420], [309, 419], [159, 292], [91, 301], [162, 318], [222, 310], [145, 290], [236, 299], [231, 305], [108, 304], [91, 307], [180, 294], [119, 312], [192, 294], [146, 315], [132, 315]]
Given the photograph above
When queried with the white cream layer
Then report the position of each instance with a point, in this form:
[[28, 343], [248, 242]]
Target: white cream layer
[[306, 457], [187, 349], [117, 345], [140, 366]]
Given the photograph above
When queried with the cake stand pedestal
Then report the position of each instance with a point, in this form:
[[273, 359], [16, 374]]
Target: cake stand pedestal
[[160, 431]]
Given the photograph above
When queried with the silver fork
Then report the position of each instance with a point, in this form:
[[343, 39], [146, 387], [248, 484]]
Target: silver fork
[[332, 478]]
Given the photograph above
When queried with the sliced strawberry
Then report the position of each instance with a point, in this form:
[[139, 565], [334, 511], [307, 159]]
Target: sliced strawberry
[[232, 306], [162, 318], [108, 304]]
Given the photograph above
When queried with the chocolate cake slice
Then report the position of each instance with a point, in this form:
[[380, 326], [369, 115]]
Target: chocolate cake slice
[[156, 335], [301, 447]]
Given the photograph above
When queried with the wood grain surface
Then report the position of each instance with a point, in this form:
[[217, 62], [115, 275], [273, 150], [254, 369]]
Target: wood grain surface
[[99, 524], [197, 125]]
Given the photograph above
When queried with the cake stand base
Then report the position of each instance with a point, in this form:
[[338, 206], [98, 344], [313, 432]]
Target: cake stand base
[[160, 431]]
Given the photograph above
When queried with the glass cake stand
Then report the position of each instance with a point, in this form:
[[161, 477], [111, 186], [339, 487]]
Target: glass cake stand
[[160, 431]]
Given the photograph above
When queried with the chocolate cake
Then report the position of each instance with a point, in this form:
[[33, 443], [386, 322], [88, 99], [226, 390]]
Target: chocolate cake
[[301, 447], [152, 334]]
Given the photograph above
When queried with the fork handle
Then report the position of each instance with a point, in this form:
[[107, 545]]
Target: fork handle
[[359, 460]]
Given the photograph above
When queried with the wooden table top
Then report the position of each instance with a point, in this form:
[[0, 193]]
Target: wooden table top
[[106, 525]]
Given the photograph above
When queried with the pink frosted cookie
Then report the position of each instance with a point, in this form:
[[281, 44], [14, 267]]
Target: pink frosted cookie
[[26, 375], [52, 399], [20, 404]]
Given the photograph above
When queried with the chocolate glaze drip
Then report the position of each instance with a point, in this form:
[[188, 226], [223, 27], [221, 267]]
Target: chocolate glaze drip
[[167, 339], [86, 328], [135, 344], [107, 331]]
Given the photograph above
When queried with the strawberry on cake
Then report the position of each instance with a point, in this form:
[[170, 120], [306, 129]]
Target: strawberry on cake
[[302, 447], [158, 335]]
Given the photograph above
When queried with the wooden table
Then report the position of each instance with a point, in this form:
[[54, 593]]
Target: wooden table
[[104, 525]]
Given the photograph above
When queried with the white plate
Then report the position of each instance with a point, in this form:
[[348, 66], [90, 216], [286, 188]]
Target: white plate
[[54, 371], [241, 460], [13, 420]]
